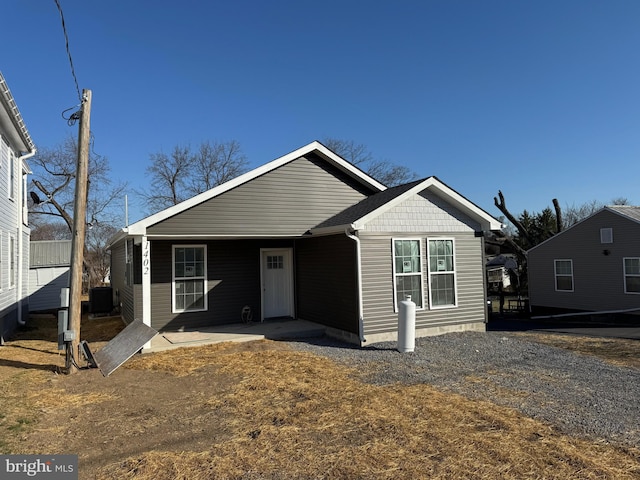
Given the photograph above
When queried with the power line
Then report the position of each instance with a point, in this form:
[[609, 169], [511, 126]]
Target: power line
[[66, 38]]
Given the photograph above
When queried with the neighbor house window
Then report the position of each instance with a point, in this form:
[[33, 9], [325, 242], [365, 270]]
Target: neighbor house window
[[407, 270], [631, 275], [564, 275], [442, 273], [606, 235], [12, 262], [189, 278], [12, 175]]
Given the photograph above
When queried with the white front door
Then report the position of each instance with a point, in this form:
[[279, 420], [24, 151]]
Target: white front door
[[277, 283]]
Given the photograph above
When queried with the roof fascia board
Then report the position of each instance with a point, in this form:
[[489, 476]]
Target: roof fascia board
[[12, 114], [140, 227], [486, 221]]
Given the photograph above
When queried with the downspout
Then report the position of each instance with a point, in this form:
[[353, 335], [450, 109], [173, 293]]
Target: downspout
[[359, 280], [20, 216]]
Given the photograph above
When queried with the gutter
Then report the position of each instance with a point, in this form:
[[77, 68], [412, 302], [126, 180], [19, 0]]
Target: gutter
[[354, 237], [21, 159]]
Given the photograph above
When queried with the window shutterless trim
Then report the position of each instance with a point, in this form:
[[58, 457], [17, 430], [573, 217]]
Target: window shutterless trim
[[203, 277], [401, 274], [625, 275], [453, 272], [556, 275]]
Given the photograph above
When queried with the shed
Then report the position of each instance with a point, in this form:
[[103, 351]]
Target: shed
[[49, 263]]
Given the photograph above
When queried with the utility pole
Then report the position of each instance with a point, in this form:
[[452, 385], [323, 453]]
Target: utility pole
[[79, 228]]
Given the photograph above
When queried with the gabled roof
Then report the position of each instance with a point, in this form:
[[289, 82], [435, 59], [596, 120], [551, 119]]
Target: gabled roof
[[140, 227], [358, 215], [11, 121], [626, 210], [630, 212]]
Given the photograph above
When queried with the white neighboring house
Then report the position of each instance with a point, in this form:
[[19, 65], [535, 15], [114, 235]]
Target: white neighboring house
[[49, 266], [16, 147]]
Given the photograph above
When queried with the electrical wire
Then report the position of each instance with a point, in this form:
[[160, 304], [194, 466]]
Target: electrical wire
[[66, 38]]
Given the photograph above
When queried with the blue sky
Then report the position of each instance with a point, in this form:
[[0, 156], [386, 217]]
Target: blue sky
[[539, 99]]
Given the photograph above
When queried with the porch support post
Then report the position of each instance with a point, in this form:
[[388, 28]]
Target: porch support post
[[146, 284]]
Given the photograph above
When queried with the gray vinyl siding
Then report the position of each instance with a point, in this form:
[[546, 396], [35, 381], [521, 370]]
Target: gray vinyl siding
[[233, 281], [123, 295], [286, 201], [598, 279], [327, 288], [377, 282], [425, 212]]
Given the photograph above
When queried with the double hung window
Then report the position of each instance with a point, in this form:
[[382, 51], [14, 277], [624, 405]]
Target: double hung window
[[189, 278], [442, 273], [407, 270], [564, 275], [631, 275]]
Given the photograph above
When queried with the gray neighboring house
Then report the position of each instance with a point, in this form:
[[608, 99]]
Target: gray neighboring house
[[49, 267], [593, 266], [16, 147], [312, 237]]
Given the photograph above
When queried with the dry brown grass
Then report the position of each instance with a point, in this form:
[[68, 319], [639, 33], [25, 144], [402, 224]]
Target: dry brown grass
[[295, 415], [617, 351]]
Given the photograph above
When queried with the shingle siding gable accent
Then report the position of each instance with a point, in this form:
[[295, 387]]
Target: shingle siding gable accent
[[286, 201], [425, 212]]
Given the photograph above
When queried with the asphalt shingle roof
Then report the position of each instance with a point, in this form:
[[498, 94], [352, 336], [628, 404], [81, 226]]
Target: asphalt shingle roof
[[368, 205], [627, 210]]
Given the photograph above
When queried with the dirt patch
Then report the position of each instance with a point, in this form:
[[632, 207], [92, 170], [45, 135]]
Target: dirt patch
[[259, 410]]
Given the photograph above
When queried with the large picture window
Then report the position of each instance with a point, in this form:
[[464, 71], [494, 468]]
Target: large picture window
[[442, 273], [189, 278], [564, 275], [631, 275], [407, 271]]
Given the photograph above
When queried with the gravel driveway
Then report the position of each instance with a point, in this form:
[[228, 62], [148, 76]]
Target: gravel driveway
[[579, 394]]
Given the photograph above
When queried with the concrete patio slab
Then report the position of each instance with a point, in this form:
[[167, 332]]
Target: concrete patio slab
[[271, 329]]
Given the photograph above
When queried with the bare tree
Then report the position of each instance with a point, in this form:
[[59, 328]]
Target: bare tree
[[185, 173], [54, 177], [97, 258], [385, 171], [214, 164]]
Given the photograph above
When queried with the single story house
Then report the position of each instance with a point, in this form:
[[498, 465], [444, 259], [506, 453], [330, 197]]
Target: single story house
[[593, 266], [308, 236], [49, 265]]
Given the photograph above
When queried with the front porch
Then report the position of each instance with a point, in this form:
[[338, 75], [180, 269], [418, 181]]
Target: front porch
[[270, 329]]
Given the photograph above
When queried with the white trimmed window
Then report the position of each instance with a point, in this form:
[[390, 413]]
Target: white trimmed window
[[12, 176], [563, 270], [442, 273], [631, 275], [189, 278], [606, 235], [407, 271], [12, 262]]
